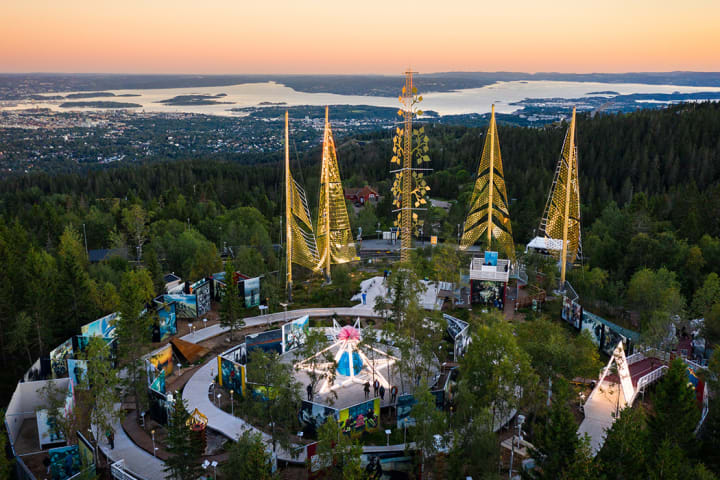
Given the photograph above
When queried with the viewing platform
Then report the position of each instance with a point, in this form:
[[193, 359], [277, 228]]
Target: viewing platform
[[479, 270]]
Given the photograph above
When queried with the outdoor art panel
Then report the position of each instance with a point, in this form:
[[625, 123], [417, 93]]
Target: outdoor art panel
[[185, 305], [293, 333], [102, 327], [64, 462], [77, 371], [202, 293], [167, 320], [162, 360], [360, 418], [232, 375], [58, 358], [270, 341], [313, 415]]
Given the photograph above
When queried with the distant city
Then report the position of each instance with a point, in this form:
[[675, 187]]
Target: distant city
[[41, 129]]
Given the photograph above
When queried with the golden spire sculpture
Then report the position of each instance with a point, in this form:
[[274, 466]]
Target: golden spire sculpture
[[301, 247], [561, 220], [334, 236], [489, 213], [409, 188]]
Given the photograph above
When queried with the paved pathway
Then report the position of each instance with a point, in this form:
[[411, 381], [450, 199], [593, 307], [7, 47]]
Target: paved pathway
[[599, 413], [283, 317], [138, 462]]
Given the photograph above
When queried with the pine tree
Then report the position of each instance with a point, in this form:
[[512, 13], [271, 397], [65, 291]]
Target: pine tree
[[555, 440], [231, 308], [339, 454], [623, 453], [675, 413], [249, 458], [133, 331], [184, 447]]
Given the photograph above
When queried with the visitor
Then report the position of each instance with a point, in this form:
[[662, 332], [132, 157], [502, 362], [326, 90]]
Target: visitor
[[393, 394], [111, 439], [376, 386], [366, 388], [382, 392], [309, 392]]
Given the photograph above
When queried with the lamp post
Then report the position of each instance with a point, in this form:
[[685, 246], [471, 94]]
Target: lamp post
[[519, 421], [214, 465], [232, 404], [217, 404], [387, 435], [153, 440]]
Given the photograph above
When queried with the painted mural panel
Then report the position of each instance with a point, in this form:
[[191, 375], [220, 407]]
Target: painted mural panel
[[162, 360], [293, 333], [313, 415], [64, 462], [251, 292], [102, 327], [404, 407], [58, 358], [77, 371], [360, 418], [204, 299], [270, 341], [232, 375], [185, 305], [48, 429], [167, 320]]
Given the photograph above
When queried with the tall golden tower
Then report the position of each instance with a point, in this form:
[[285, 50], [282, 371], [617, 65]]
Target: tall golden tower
[[561, 220], [409, 188], [489, 213], [300, 244], [334, 236]]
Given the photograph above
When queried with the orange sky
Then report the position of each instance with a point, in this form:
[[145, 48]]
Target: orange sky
[[367, 36]]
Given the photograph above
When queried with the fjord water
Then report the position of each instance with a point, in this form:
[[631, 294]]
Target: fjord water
[[473, 100]]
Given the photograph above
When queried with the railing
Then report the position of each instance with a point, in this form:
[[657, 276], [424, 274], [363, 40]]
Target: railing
[[498, 273], [648, 379], [118, 471], [635, 357]]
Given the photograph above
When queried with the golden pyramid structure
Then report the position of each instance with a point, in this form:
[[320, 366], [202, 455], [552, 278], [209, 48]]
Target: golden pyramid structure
[[489, 214], [334, 236], [301, 247], [560, 225]]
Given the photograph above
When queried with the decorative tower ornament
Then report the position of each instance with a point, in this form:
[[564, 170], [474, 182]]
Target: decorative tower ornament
[[409, 188], [489, 213], [300, 243], [334, 235], [561, 220]]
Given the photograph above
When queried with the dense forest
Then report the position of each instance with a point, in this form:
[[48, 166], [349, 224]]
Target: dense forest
[[650, 191]]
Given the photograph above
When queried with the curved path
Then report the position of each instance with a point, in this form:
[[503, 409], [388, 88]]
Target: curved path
[[365, 311], [196, 389]]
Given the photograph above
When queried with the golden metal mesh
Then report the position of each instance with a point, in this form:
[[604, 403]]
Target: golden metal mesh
[[334, 235], [489, 214], [304, 247], [562, 210]]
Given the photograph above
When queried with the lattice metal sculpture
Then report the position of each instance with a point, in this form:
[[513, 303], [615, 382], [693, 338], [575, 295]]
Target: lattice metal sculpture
[[561, 220], [301, 247], [334, 236], [409, 188], [489, 213]]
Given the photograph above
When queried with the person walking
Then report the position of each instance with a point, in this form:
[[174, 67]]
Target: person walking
[[309, 392], [366, 388], [382, 393], [376, 386], [393, 394]]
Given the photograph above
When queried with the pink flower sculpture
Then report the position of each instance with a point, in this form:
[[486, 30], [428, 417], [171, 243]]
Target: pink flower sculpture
[[348, 333]]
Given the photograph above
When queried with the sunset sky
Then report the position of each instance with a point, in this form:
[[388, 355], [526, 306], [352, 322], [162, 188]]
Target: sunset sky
[[368, 36]]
